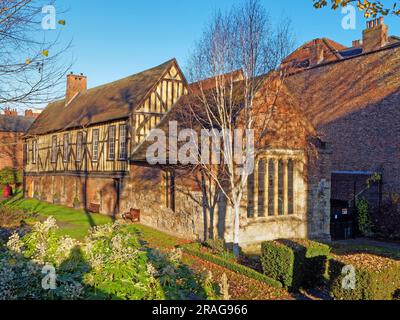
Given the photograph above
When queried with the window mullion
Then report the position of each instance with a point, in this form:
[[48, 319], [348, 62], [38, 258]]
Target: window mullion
[[266, 187], [255, 193], [285, 186], [276, 187]]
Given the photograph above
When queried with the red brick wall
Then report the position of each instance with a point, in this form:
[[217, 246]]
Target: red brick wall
[[368, 140], [11, 150], [99, 191]]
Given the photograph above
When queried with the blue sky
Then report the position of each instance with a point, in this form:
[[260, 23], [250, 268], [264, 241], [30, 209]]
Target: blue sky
[[113, 39]]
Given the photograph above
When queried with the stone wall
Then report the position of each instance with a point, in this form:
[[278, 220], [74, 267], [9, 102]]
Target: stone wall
[[319, 196], [144, 189]]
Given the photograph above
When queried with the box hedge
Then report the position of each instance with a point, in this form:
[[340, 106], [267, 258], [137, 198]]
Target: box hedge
[[376, 278], [194, 249], [295, 263]]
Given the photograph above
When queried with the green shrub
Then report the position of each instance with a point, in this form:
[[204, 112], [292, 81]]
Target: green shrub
[[10, 176], [217, 247], [11, 217], [110, 263], [194, 249], [278, 262], [295, 263], [363, 216], [374, 279]]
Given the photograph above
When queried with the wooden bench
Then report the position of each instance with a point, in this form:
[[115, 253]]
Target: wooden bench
[[93, 208], [133, 215]]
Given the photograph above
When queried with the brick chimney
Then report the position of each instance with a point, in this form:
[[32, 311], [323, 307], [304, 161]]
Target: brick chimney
[[75, 84], [356, 44], [375, 36], [10, 112], [30, 114]]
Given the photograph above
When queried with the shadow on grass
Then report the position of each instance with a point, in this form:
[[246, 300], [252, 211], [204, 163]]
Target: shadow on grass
[[179, 284]]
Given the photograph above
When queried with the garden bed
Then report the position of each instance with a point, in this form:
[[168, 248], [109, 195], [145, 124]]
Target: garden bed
[[197, 250]]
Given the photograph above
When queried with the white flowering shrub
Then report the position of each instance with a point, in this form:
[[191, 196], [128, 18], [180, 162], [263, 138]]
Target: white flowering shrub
[[110, 263]]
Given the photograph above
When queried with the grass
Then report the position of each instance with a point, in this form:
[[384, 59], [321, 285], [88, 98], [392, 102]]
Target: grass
[[155, 238], [72, 222]]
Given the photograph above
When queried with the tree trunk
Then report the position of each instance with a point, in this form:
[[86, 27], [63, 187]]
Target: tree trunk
[[236, 230]]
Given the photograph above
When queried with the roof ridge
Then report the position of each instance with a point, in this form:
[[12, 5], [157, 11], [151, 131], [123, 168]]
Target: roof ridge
[[166, 63], [389, 47], [110, 101], [333, 50]]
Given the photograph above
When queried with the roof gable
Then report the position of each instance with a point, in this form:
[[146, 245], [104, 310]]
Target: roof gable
[[303, 56], [112, 101]]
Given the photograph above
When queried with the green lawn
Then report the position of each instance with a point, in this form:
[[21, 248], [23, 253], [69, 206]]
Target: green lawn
[[72, 222]]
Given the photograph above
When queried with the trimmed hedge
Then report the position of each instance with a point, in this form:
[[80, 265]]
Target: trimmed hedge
[[194, 249], [295, 263], [373, 281]]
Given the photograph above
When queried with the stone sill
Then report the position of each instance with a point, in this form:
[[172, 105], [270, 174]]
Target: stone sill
[[296, 217]]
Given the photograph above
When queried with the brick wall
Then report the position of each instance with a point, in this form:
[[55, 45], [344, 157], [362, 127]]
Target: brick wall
[[11, 150], [368, 140]]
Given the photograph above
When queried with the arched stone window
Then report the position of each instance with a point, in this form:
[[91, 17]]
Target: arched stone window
[[271, 190]]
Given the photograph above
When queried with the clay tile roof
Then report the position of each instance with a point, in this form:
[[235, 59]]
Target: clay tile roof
[[108, 102], [333, 90], [330, 48], [15, 123], [210, 83], [179, 112]]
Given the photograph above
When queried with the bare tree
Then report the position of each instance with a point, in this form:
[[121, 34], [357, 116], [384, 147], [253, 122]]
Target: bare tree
[[32, 59], [244, 39]]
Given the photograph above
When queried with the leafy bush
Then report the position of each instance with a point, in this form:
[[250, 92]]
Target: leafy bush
[[374, 278], [11, 217], [295, 263], [194, 249], [387, 221], [278, 262], [217, 247], [363, 217], [10, 176], [109, 264]]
